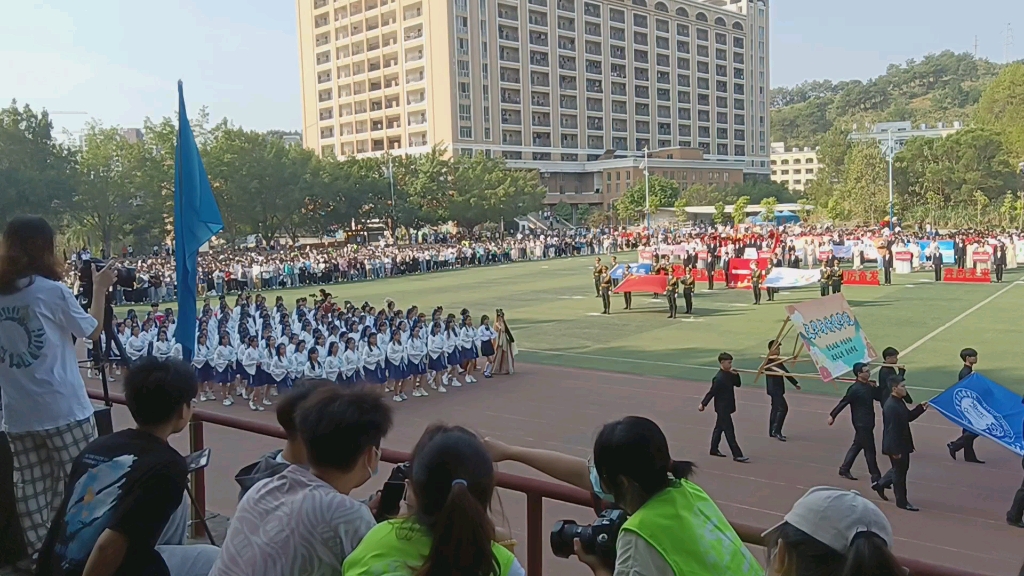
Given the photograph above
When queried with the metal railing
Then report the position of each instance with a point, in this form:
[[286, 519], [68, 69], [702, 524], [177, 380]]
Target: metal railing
[[536, 492]]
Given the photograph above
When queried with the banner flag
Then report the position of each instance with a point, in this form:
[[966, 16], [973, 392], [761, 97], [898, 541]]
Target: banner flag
[[644, 283], [792, 278], [831, 335], [639, 269], [985, 408]]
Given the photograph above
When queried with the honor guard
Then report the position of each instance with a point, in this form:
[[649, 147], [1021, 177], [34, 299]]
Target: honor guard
[[769, 291], [605, 284], [825, 280], [598, 267], [756, 276], [688, 285], [615, 262], [671, 289], [836, 276], [627, 297]]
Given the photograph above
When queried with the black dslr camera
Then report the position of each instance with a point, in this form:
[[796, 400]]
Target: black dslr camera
[[126, 276], [598, 538]]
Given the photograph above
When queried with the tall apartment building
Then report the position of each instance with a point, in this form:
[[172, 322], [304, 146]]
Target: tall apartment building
[[576, 89]]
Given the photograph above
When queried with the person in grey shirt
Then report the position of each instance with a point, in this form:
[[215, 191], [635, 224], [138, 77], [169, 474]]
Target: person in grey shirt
[[303, 522]]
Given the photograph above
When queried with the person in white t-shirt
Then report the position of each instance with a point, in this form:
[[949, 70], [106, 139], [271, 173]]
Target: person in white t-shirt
[[47, 413]]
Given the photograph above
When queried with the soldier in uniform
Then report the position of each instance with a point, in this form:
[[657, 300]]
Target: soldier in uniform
[[627, 297], [825, 279], [688, 285], [756, 276], [671, 290], [769, 290], [836, 276], [615, 262], [710, 265], [605, 284], [597, 276]]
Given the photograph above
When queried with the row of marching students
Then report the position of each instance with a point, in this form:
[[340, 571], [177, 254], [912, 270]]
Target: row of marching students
[[403, 360]]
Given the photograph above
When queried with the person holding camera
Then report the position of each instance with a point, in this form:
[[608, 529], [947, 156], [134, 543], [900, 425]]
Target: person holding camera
[[303, 521], [125, 488], [832, 531], [449, 532], [46, 410]]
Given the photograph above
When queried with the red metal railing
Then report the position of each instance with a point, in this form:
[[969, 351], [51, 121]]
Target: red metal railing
[[536, 492]]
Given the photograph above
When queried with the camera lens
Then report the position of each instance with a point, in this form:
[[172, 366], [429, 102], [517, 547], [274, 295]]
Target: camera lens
[[563, 535]]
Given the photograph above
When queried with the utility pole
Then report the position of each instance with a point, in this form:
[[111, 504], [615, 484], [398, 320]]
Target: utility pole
[[1007, 43], [890, 180], [391, 178], [647, 191], [975, 45]]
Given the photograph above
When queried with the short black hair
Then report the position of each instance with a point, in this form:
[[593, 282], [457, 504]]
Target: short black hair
[[155, 390], [337, 426], [968, 353], [289, 404], [890, 352], [772, 344], [894, 380], [724, 356]]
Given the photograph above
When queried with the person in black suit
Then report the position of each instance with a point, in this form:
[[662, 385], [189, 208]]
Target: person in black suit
[[1015, 515], [887, 263], [890, 357], [999, 260], [777, 391], [959, 252], [860, 397], [725, 268], [936, 258], [710, 265], [793, 260], [966, 440], [723, 391], [897, 441]]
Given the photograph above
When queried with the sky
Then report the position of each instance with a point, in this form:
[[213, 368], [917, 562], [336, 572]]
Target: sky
[[118, 60]]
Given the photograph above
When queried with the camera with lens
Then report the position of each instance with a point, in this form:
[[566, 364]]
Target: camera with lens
[[125, 277], [597, 539]]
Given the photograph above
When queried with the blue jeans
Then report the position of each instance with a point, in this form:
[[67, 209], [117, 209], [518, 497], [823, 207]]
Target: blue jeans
[[182, 559]]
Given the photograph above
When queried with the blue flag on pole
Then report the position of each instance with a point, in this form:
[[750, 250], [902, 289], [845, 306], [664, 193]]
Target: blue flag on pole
[[985, 408], [196, 220]]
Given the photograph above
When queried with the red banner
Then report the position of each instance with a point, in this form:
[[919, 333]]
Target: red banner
[[960, 275], [860, 278], [982, 257], [739, 271], [643, 283], [903, 256]]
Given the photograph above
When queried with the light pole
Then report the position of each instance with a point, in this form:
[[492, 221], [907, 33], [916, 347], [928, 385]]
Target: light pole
[[391, 179], [647, 191], [891, 154]]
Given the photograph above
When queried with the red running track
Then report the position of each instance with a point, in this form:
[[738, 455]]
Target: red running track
[[962, 505]]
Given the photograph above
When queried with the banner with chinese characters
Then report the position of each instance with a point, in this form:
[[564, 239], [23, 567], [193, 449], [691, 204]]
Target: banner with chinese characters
[[831, 335]]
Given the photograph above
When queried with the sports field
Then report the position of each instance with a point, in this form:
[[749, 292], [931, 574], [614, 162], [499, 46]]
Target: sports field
[[553, 312]]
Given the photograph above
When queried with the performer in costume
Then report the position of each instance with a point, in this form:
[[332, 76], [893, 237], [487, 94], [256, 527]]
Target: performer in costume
[[504, 348]]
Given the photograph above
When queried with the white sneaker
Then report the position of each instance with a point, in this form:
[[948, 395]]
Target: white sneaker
[[88, 373], [470, 379], [433, 385], [259, 408], [442, 389], [444, 378], [455, 383], [228, 402], [404, 397], [461, 371], [423, 392], [416, 393], [245, 394], [267, 402], [386, 389], [274, 392], [253, 406], [397, 398]]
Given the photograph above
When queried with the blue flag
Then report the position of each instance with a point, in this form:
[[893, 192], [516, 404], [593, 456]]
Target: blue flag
[[196, 220], [985, 408]]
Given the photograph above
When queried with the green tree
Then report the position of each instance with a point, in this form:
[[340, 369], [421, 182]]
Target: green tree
[[1002, 107], [485, 190], [702, 195], [633, 203], [768, 206], [599, 218], [680, 206], [864, 186], [563, 210], [719, 215], [37, 174], [739, 209], [981, 203], [582, 213]]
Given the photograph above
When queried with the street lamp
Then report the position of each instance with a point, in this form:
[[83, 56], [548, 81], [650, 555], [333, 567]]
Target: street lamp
[[891, 154], [647, 190], [391, 179]]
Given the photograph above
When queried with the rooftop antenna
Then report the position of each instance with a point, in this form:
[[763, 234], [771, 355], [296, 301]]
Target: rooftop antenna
[[975, 46], [1007, 43]]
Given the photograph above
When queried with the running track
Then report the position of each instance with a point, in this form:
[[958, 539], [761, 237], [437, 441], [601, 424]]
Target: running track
[[962, 505]]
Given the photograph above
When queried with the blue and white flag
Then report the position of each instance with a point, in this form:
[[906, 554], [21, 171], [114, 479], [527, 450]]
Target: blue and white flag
[[985, 408], [620, 270], [791, 278]]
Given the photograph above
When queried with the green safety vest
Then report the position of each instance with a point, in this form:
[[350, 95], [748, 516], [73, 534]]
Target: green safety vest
[[689, 531], [399, 548]]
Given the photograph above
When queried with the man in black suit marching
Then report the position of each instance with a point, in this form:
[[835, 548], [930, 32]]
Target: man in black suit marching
[[897, 441], [860, 397], [774, 375], [723, 391], [966, 440]]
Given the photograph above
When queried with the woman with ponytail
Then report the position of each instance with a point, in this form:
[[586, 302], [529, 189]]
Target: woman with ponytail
[[449, 532], [832, 532]]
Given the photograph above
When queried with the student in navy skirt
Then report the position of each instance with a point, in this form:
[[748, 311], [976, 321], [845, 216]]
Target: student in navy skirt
[[436, 359], [351, 363], [485, 335], [202, 363], [223, 361], [467, 348], [416, 350], [398, 371], [278, 368], [451, 349], [373, 362]]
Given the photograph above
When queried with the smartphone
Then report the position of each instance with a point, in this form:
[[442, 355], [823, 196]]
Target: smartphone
[[198, 460], [390, 500]]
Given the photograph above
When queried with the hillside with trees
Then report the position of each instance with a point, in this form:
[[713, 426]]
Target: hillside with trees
[[944, 87]]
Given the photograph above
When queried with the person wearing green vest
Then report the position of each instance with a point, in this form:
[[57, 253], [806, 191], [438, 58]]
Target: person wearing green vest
[[449, 532], [674, 528]]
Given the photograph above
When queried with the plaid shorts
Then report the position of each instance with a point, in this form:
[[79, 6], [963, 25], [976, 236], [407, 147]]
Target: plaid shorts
[[42, 462]]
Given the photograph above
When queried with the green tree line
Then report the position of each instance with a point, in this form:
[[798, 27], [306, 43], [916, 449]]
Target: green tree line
[[111, 191]]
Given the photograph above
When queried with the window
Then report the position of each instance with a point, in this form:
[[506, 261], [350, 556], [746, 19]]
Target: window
[[464, 90], [465, 112], [463, 69], [466, 133]]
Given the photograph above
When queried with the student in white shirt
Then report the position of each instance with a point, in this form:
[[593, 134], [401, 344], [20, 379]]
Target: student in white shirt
[[436, 359], [451, 351], [202, 363], [162, 347], [279, 368], [298, 361], [332, 363], [314, 368], [416, 350], [352, 365], [396, 366], [467, 344], [485, 336], [267, 384], [224, 364], [137, 346], [250, 360], [373, 362]]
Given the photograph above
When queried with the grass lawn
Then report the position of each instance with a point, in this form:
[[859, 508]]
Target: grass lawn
[[552, 310]]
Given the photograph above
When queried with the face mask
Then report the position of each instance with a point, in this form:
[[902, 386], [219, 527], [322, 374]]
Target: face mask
[[376, 467], [595, 484]]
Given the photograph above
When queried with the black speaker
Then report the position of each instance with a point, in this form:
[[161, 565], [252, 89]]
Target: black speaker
[[104, 419]]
